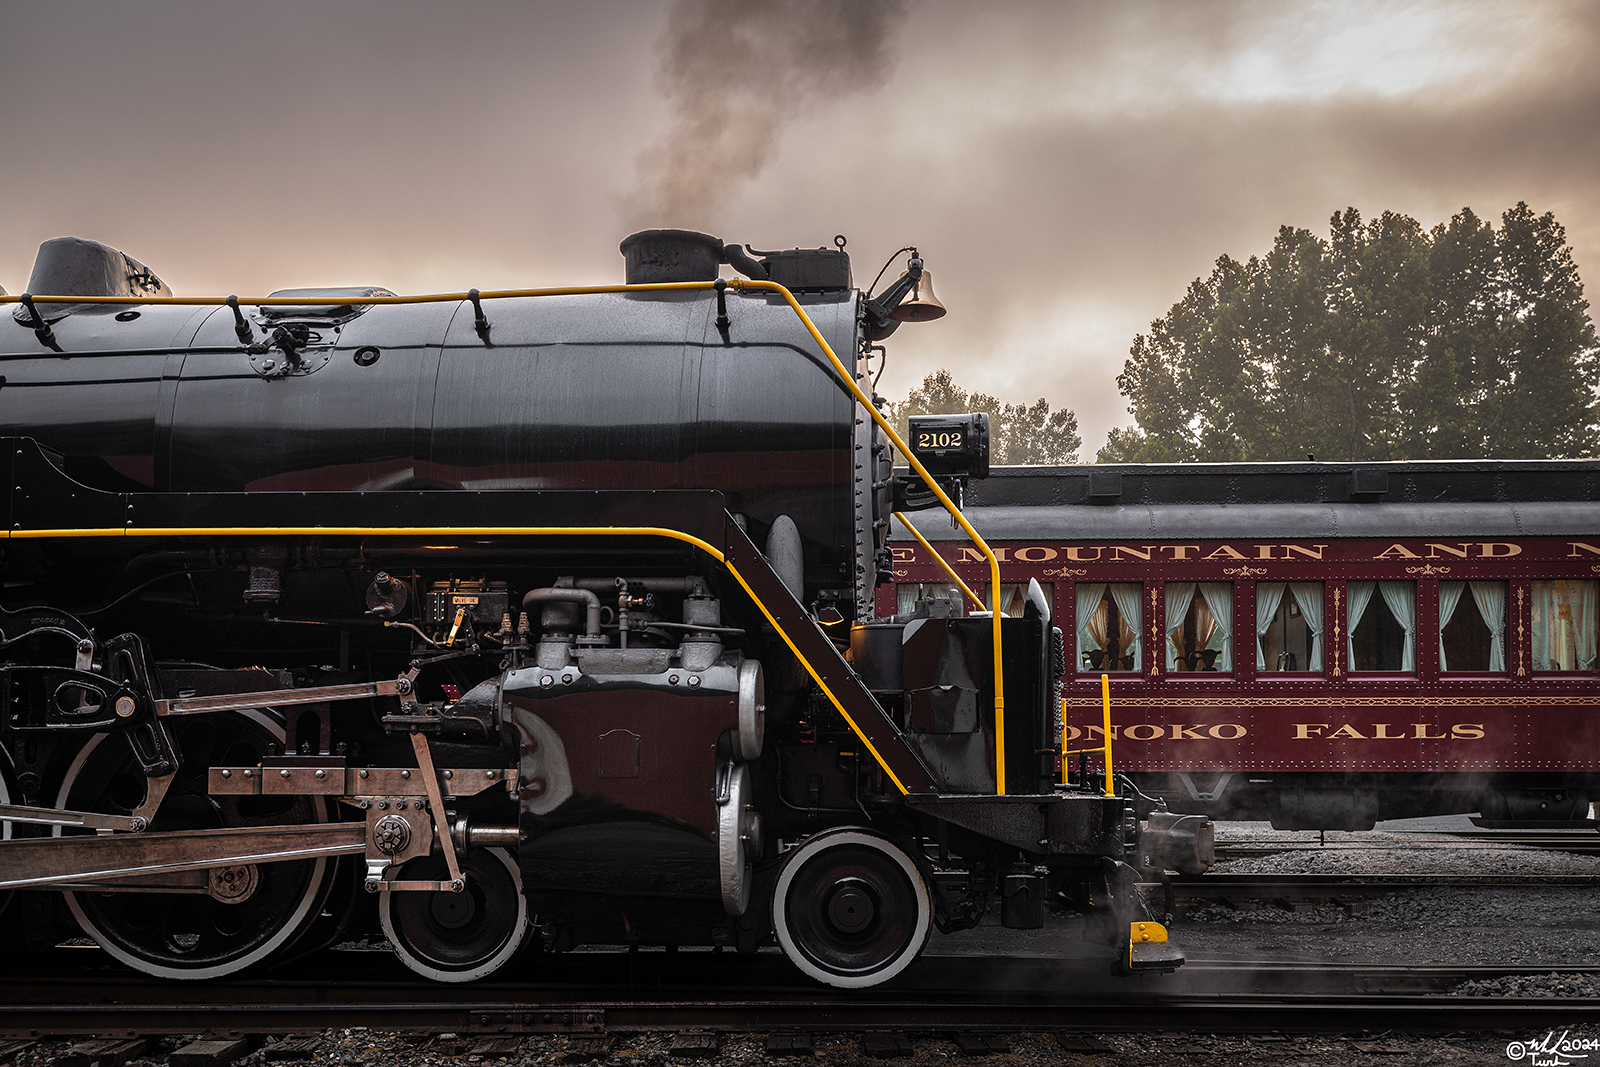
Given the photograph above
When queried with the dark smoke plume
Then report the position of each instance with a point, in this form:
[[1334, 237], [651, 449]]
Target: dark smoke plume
[[735, 74]]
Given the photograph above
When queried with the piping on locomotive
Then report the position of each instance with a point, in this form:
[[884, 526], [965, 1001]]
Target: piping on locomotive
[[525, 613]]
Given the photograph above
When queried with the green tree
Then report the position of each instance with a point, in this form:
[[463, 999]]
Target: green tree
[[1018, 433], [1384, 341]]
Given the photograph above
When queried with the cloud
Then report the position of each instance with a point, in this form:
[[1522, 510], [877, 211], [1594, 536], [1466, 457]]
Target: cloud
[[1065, 168], [735, 76]]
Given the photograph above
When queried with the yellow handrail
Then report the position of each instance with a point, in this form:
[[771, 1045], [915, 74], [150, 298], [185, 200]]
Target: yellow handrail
[[482, 531], [934, 552], [1105, 734], [845, 376]]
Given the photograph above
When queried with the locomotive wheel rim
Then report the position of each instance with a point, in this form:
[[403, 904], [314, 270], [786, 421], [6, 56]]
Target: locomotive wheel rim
[[9, 895], [851, 909], [5, 795], [426, 929], [752, 709], [733, 861], [293, 920]]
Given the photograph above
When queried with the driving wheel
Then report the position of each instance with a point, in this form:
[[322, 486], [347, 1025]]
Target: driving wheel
[[458, 937], [851, 909], [246, 913]]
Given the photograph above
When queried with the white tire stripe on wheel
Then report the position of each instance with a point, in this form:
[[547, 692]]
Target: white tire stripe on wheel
[[878, 843]]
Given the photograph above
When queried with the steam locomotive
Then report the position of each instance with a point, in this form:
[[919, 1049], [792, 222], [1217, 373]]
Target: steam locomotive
[[533, 619]]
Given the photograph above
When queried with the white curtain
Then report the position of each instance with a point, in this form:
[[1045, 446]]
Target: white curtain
[[1268, 596], [1360, 596], [1089, 595], [1401, 598], [1564, 625], [1491, 600], [1309, 596], [1127, 597], [1548, 637], [1584, 597], [1449, 597], [1219, 598], [1179, 596]]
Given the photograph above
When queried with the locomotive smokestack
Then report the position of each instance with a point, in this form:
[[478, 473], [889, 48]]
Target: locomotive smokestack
[[671, 256]]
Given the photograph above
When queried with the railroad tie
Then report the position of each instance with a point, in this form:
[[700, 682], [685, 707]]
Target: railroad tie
[[789, 1044], [291, 1048], [694, 1045], [885, 1044], [587, 1047], [981, 1044], [101, 1052], [217, 1053], [10, 1050]]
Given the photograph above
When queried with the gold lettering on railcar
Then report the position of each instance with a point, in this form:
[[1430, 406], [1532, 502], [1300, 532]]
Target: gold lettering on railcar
[[1576, 545], [1149, 731], [1461, 731], [1275, 552]]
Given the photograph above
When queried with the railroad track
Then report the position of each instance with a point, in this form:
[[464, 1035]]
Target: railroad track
[[1580, 842], [1213, 886], [619, 993]]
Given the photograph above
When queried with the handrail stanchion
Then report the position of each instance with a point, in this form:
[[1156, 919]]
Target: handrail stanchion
[[1105, 705], [1105, 733]]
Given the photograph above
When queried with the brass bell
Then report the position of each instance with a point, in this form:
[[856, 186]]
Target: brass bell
[[921, 305]]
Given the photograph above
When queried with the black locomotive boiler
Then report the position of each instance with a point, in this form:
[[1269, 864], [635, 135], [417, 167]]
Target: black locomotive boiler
[[532, 619]]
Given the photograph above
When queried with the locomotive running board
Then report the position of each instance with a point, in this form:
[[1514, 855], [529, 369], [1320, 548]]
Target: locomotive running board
[[33, 863]]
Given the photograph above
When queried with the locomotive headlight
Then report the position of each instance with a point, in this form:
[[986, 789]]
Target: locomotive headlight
[[952, 444]]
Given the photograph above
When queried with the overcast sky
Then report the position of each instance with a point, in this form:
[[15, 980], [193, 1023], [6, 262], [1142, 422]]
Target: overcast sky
[[1066, 169]]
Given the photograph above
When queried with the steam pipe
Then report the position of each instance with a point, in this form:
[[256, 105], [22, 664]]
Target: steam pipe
[[591, 624], [692, 584], [744, 263]]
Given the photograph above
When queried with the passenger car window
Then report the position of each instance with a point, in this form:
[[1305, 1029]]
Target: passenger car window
[[906, 595], [1013, 595], [1382, 623], [1472, 626], [1200, 626], [1564, 625], [1289, 626], [1108, 626]]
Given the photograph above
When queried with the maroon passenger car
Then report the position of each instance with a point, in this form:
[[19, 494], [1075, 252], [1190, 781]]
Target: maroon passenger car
[[1321, 645]]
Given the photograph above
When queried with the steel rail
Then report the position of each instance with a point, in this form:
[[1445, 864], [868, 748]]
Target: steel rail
[[1277, 886], [1295, 998]]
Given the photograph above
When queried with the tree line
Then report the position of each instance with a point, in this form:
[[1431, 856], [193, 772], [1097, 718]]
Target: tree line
[[1018, 433], [1382, 341], [1385, 341]]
